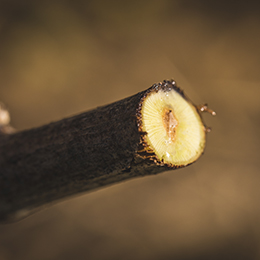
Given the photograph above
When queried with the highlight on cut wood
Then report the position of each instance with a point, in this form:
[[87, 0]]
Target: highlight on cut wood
[[174, 130], [155, 130]]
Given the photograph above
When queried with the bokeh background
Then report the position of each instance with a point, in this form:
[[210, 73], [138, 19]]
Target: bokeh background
[[59, 58]]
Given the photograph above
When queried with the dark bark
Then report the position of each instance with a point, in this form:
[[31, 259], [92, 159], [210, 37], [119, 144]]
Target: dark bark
[[73, 155]]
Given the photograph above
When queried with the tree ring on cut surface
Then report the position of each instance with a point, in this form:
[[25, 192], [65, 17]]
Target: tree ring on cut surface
[[173, 125]]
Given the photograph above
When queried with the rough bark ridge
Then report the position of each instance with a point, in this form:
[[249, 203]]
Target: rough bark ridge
[[76, 154]]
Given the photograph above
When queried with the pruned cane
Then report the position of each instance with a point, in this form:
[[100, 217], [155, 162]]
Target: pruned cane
[[153, 131]]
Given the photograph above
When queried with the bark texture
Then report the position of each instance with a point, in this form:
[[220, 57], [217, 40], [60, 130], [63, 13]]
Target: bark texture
[[73, 155]]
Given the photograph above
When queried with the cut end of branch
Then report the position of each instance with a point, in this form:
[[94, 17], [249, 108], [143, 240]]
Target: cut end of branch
[[5, 127], [173, 131], [4, 115]]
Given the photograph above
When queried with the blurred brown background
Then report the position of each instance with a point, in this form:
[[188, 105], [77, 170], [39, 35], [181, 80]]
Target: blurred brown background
[[58, 58]]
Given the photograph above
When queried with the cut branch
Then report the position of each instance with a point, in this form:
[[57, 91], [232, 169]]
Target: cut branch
[[84, 152]]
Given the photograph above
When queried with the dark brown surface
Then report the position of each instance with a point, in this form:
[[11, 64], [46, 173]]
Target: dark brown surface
[[84, 152], [76, 154], [62, 57], [63, 158]]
